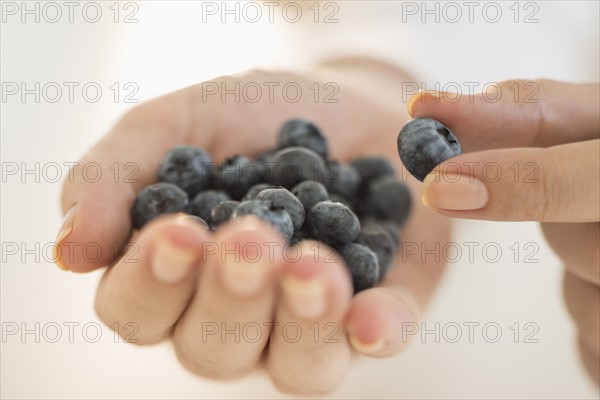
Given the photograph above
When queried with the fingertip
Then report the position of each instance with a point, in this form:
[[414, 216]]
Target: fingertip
[[418, 101]]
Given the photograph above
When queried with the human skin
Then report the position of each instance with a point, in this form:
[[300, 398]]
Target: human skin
[[542, 137], [169, 286]]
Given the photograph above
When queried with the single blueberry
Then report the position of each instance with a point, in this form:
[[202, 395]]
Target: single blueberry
[[336, 198], [378, 240], [222, 212], [154, 200], [237, 174], [424, 143], [283, 198], [264, 210], [187, 167], [342, 179], [388, 199], [362, 264], [292, 165], [298, 132], [333, 223], [390, 227], [204, 202], [310, 193]]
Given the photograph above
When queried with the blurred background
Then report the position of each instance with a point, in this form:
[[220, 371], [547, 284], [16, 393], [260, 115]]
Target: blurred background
[[53, 345]]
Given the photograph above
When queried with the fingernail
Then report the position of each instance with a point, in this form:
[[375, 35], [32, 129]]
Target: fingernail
[[421, 96], [454, 192], [366, 348], [65, 230], [305, 297], [171, 263]]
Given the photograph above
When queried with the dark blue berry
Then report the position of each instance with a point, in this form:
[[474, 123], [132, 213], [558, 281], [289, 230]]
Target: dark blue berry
[[237, 174], [378, 240], [222, 212], [342, 179], [298, 132], [310, 193], [292, 165], [264, 210], [372, 167], [283, 198], [205, 201], [362, 263], [390, 227], [155, 200], [388, 199], [423, 144], [333, 223], [187, 167]]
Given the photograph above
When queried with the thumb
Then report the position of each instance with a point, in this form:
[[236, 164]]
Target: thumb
[[557, 184], [515, 113]]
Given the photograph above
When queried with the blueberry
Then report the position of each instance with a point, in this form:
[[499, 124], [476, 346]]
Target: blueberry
[[336, 198], [254, 190], [298, 132], [283, 198], [378, 240], [362, 263], [342, 179], [423, 144], [292, 165], [333, 223], [237, 174], [264, 210], [310, 193], [204, 202], [370, 168], [187, 167], [388, 199], [390, 227], [300, 235], [222, 212], [155, 200]]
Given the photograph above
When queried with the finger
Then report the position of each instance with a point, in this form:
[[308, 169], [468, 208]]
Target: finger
[[583, 303], [578, 245], [382, 321], [558, 184], [309, 352], [226, 326], [515, 113], [101, 188], [145, 292]]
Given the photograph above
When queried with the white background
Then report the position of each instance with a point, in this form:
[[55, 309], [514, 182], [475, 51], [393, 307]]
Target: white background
[[169, 47]]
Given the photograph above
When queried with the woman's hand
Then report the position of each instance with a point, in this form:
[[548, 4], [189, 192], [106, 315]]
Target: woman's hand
[[175, 279], [533, 153]]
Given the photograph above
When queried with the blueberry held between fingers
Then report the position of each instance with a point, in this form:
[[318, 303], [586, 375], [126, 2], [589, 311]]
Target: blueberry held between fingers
[[333, 223], [222, 212], [264, 210], [187, 167], [310, 193], [292, 165], [362, 263], [283, 198], [298, 132], [388, 199], [155, 200], [204, 202], [423, 144]]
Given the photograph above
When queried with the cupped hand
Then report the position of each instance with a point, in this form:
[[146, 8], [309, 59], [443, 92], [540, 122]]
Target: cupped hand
[[532, 153], [291, 311]]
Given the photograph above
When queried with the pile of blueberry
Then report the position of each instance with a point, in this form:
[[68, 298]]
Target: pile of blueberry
[[357, 207]]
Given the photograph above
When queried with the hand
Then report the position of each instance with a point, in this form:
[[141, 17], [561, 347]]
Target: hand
[[169, 282], [552, 177]]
